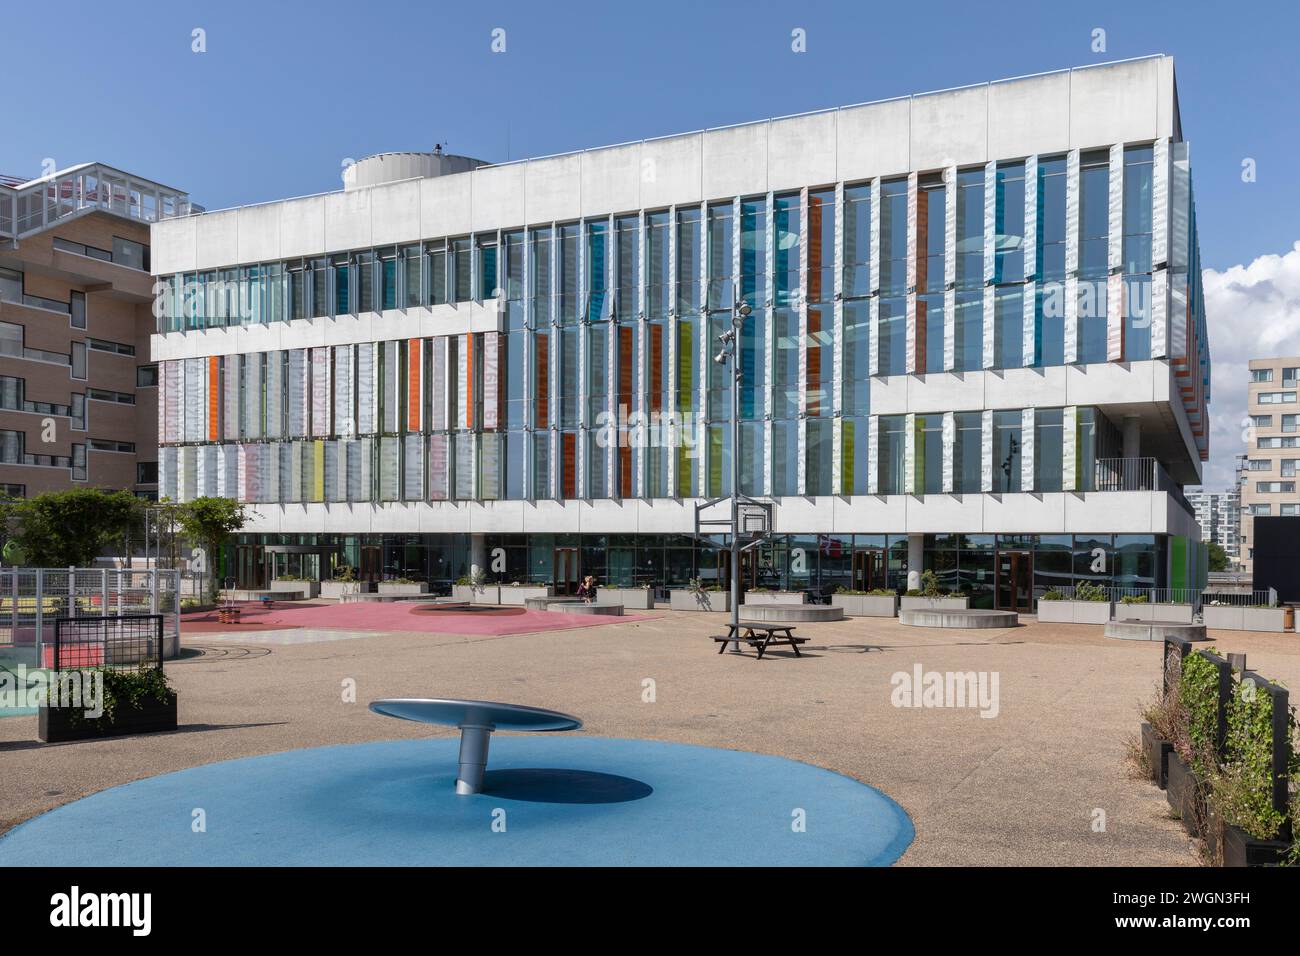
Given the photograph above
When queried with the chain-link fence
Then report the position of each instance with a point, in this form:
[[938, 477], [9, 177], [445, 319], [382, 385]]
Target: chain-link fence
[[33, 599]]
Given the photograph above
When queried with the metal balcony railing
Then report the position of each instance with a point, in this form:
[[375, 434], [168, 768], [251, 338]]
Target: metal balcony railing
[[27, 208], [1136, 474]]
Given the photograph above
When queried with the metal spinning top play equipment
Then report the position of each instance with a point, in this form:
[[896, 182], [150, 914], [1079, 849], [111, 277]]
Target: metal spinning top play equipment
[[476, 720]]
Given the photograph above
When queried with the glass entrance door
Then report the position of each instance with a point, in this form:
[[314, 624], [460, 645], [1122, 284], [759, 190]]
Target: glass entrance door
[[869, 570], [372, 566], [1015, 580], [250, 567], [748, 570], [566, 570]]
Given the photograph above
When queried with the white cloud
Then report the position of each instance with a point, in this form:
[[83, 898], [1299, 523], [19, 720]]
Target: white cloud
[[1253, 311]]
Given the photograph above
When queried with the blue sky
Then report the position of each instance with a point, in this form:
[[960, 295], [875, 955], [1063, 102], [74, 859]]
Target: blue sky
[[287, 91]]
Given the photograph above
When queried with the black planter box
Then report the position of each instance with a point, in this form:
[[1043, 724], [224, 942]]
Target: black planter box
[[1157, 752], [1186, 795], [1241, 849], [58, 724]]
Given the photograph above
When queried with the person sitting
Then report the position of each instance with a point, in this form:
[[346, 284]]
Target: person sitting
[[587, 589]]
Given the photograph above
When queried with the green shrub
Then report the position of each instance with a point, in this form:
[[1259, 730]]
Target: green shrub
[[1133, 599], [1087, 591], [930, 584], [1242, 791], [1199, 691], [1052, 595]]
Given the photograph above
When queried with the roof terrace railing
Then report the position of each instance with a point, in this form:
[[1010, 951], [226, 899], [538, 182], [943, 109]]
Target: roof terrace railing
[[31, 207]]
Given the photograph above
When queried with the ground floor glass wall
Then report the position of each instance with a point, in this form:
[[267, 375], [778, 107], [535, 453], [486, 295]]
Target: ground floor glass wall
[[818, 564]]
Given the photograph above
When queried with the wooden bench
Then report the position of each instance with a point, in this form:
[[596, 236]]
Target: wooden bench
[[760, 636]]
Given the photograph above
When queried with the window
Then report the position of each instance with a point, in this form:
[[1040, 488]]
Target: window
[[146, 376], [970, 228], [1261, 421], [1275, 398], [8, 490], [1009, 227], [893, 238], [857, 240], [1276, 442], [107, 395], [1051, 219], [929, 451], [967, 442], [1275, 487], [968, 332], [1048, 449], [106, 444], [1261, 510], [365, 292], [115, 348], [1261, 375], [78, 463], [1008, 329], [11, 447], [133, 255], [11, 392], [489, 283], [79, 360], [77, 309], [1007, 445], [1289, 377], [1289, 422], [597, 270], [1259, 464], [1291, 510], [11, 285], [1138, 166], [1288, 467], [688, 260], [891, 451]]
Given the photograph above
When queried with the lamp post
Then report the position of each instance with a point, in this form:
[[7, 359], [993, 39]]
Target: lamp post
[[730, 351]]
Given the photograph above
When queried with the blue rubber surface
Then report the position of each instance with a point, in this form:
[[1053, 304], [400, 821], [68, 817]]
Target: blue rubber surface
[[566, 801]]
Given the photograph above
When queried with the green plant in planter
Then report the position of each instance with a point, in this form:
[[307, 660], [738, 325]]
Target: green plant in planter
[[1134, 599], [882, 592], [345, 574], [1242, 791], [930, 585], [1166, 713], [1199, 692], [1087, 591], [127, 690], [1052, 595]]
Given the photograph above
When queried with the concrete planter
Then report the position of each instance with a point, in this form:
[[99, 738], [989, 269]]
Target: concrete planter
[[392, 587], [518, 594], [1074, 612], [933, 604], [336, 589], [1157, 752], [774, 597], [309, 589], [1236, 618], [866, 605], [469, 594], [632, 599], [1173, 613], [684, 599]]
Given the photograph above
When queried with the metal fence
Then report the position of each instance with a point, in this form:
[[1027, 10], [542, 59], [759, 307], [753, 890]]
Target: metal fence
[[1196, 597], [131, 641], [32, 600]]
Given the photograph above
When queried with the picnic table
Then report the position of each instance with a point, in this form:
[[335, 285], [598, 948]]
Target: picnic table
[[761, 636]]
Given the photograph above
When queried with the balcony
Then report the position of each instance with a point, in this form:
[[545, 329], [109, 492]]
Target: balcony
[[1136, 474]]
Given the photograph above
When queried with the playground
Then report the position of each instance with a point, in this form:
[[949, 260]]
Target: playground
[[787, 759]]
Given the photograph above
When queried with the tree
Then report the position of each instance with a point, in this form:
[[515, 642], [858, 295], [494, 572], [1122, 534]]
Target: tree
[[1217, 556], [210, 522], [63, 529]]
